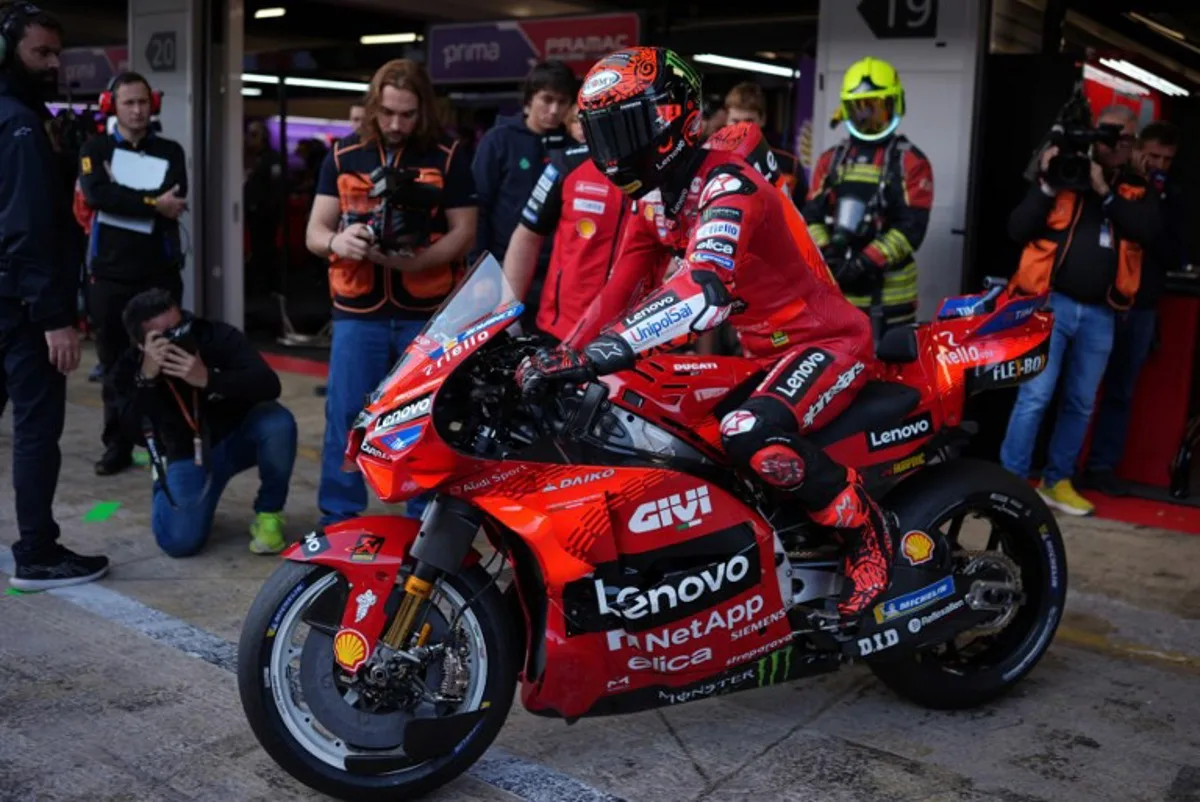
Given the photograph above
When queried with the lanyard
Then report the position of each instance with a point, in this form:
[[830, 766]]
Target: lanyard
[[193, 420]]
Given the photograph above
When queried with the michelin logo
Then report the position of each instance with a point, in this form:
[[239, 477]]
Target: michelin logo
[[911, 602]]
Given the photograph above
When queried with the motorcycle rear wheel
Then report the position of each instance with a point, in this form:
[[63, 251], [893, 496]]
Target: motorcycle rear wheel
[[284, 599], [1024, 530]]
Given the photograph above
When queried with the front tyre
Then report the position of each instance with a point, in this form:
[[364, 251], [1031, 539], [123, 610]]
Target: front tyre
[[313, 723], [981, 509]]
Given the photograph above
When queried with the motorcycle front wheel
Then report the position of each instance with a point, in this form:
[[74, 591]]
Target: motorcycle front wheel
[[344, 736], [987, 516]]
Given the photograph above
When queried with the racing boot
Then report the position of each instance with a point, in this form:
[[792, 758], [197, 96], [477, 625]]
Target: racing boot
[[868, 541]]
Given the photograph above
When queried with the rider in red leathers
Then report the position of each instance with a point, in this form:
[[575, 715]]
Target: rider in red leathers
[[741, 260]]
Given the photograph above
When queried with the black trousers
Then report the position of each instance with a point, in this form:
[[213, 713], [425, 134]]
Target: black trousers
[[38, 394], [106, 302]]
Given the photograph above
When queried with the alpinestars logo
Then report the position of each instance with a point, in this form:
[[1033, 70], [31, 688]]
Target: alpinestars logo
[[681, 512], [843, 382]]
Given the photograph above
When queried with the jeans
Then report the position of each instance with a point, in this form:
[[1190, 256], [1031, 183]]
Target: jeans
[[1131, 347], [1079, 347], [362, 353], [38, 394], [266, 438]]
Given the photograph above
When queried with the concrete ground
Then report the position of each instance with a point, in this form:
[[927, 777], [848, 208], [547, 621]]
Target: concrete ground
[[103, 697]]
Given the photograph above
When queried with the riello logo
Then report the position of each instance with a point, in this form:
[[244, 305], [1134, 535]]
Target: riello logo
[[681, 512]]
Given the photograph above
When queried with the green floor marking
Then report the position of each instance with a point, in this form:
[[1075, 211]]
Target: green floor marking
[[102, 511]]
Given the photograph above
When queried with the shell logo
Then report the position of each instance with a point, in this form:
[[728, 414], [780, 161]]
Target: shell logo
[[917, 548], [350, 649], [586, 228]]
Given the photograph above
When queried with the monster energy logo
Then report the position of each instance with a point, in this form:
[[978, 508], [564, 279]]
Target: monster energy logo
[[770, 676], [683, 70]]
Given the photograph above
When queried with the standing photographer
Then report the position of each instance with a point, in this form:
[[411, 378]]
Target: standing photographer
[[393, 257], [208, 400], [124, 261], [1084, 222], [39, 278]]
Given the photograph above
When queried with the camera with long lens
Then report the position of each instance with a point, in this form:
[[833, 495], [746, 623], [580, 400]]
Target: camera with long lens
[[407, 197], [1074, 135]]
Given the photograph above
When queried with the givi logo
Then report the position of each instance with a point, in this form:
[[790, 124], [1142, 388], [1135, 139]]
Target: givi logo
[[674, 510]]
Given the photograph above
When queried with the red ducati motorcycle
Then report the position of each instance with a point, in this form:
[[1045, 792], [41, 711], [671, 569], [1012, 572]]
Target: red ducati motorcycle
[[595, 548]]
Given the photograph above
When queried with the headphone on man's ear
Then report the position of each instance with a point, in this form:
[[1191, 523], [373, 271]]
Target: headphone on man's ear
[[108, 98], [13, 19]]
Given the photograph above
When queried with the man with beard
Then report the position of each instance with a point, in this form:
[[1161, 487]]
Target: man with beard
[[124, 262], [38, 284], [388, 273]]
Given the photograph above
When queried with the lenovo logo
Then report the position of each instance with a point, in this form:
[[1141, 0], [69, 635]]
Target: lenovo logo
[[906, 432], [799, 376]]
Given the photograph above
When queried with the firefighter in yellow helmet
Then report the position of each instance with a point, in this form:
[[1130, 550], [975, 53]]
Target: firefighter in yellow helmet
[[870, 197]]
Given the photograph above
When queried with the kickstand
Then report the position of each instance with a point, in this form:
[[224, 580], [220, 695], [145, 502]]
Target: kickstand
[[294, 339]]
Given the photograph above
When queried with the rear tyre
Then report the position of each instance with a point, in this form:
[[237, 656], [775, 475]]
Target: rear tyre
[[296, 589], [953, 676]]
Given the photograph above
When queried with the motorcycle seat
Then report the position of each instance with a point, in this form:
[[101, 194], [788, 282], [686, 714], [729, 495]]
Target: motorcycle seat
[[898, 346], [878, 404]]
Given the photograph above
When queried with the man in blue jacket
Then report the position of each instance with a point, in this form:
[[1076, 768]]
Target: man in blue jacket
[[510, 158], [39, 282]]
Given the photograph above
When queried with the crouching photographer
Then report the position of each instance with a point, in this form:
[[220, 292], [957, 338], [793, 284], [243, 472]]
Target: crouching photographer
[[203, 401], [1084, 223]]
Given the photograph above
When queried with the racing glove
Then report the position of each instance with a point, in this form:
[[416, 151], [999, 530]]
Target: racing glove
[[858, 275], [604, 355]]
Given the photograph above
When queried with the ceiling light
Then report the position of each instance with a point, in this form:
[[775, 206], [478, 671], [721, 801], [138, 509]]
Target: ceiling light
[[269, 13], [748, 66], [1157, 27], [251, 91], [1106, 78], [311, 83], [389, 38], [1144, 76]]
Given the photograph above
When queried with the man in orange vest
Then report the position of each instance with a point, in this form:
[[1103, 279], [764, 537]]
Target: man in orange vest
[[1085, 248]]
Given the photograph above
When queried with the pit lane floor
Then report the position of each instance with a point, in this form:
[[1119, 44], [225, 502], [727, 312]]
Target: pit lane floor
[[123, 690]]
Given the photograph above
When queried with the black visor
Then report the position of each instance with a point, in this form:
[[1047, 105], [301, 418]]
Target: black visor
[[619, 138]]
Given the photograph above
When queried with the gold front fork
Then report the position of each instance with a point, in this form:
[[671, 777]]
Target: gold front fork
[[416, 591]]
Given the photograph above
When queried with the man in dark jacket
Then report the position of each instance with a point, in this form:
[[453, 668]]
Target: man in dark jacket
[[1085, 249], [510, 159], [123, 261], [1135, 329], [38, 286], [204, 402]]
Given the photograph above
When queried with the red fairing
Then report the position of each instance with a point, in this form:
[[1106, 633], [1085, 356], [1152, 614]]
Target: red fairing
[[368, 551], [731, 226]]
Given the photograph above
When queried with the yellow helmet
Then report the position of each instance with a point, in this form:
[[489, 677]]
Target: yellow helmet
[[872, 99]]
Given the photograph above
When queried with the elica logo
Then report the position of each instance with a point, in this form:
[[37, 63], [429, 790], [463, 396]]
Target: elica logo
[[1017, 368], [416, 409], [809, 367], [653, 328], [667, 665], [715, 246], [962, 355], [682, 512], [576, 481], [654, 306], [693, 592], [906, 432]]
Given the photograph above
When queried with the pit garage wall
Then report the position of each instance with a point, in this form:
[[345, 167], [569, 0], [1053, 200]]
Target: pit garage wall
[[191, 50], [939, 76]]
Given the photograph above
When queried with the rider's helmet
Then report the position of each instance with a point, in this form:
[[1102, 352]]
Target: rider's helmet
[[872, 99], [641, 116]]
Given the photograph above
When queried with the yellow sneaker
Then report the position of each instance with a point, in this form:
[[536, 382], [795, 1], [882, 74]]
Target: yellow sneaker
[[1063, 497], [266, 533]]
